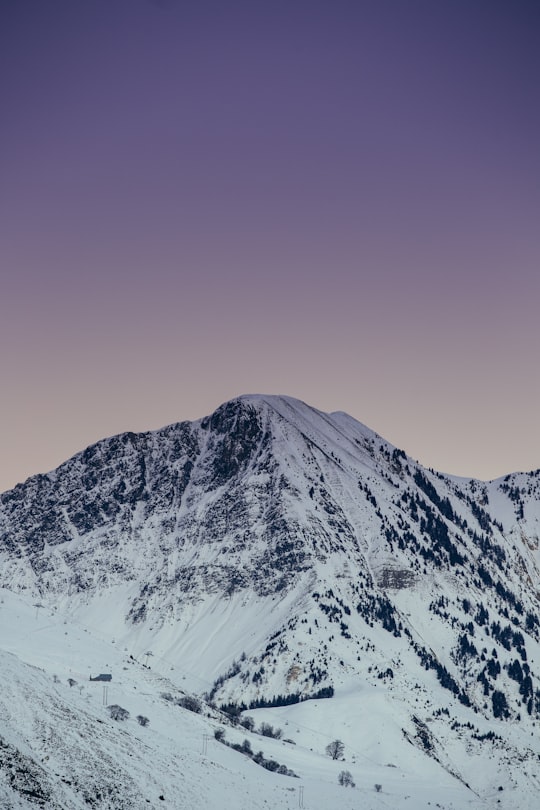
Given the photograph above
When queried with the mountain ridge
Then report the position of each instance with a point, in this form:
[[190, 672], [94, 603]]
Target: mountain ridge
[[275, 554]]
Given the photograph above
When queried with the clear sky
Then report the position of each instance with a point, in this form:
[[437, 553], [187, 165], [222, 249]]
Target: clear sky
[[337, 200]]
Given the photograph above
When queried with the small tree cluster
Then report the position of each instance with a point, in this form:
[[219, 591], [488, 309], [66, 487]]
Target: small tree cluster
[[345, 779], [232, 711], [269, 731], [259, 758], [142, 720], [500, 705], [190, 703]]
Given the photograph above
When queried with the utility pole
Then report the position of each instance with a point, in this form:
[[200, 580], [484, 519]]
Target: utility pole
[[105, 695], [205, 744], [301, 796]]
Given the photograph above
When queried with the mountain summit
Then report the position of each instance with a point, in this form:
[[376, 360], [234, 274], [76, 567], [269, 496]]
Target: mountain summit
[[277, 554]]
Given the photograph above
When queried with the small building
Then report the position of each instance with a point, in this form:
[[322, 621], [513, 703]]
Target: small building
[[102, 677]]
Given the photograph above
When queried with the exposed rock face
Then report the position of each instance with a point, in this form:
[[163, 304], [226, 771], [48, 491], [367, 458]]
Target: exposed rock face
[[270, 498]]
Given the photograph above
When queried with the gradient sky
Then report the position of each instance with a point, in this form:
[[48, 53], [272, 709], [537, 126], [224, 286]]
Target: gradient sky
[[339, 201]]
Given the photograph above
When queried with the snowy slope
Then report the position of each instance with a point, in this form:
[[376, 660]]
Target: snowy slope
[[60, 749], [273, 554]]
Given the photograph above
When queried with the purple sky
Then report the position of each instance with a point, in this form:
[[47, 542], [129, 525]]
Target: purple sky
[[335, 200]]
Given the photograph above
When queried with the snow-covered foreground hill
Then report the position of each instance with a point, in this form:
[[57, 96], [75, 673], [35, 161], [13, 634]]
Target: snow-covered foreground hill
[[59, 748], [283, 565]]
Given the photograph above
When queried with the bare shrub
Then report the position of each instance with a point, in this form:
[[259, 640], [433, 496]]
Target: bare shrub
[[117, 712]]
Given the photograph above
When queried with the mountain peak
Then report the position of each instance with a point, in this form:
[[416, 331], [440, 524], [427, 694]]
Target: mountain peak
[[325, 556]]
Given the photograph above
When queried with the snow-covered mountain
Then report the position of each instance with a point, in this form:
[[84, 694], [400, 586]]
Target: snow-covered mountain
[[288, 563]]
